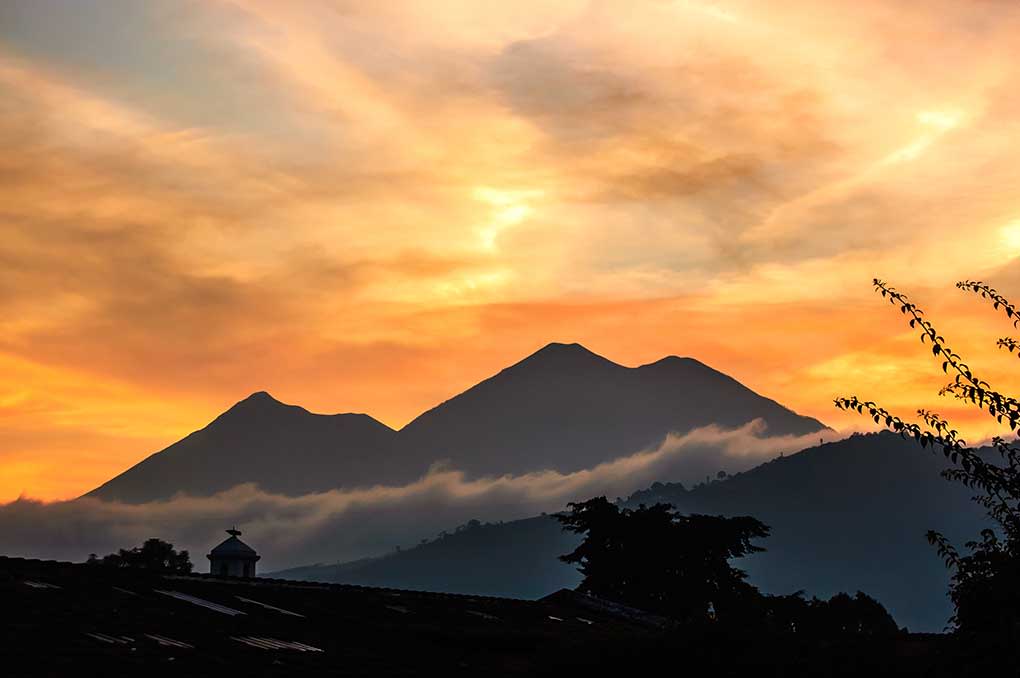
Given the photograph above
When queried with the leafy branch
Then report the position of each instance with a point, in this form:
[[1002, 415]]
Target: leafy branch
[[992, 561]]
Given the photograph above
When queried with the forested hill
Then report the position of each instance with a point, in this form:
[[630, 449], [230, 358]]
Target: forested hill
[[845, 516]]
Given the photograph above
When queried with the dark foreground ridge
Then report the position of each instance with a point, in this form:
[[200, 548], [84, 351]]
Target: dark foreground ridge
[[64, 619], [75, 619]]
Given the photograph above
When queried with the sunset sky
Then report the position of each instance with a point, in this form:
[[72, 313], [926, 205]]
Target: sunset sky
[[371, 206]]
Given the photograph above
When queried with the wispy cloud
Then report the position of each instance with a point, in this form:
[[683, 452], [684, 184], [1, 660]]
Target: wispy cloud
[[349, 524], [371, 207]]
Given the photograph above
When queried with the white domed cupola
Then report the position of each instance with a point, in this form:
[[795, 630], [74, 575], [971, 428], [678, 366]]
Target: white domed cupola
[[233, 558]]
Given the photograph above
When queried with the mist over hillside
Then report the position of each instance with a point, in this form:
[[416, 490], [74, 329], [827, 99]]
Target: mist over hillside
[[845, 516], [347, 524]]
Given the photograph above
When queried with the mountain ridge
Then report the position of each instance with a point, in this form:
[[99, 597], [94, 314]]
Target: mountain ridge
[[258, 422], [562, 408], [261, 399]]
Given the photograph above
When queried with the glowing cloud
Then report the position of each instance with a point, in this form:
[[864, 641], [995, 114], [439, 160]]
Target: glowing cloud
[[322, 198]]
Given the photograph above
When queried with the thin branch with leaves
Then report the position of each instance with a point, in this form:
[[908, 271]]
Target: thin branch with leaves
[[979, 577]]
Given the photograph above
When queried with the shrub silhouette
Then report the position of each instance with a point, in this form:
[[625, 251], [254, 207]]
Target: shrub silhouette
[[840, 615], [154, 554]]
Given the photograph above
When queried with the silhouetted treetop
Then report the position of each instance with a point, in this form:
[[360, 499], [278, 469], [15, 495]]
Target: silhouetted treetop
[[840, 615], [154, 554], [658, 560]]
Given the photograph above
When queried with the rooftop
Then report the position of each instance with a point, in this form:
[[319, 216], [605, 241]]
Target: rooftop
[[232, 546], [76, 619]]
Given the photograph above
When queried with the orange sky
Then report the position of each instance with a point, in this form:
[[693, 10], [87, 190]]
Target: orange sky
[[372, 206]]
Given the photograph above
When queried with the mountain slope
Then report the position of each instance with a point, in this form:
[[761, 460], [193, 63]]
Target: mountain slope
[[516, 559], [845, 516], [282, 448], [562, 408], [566, 408]]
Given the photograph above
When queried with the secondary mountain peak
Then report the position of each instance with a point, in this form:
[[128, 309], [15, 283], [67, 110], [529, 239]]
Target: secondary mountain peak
[[282, 448], [674, 361], [681, 367]]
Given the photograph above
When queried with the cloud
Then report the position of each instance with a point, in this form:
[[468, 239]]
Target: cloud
[[347, 524], [320, 198]]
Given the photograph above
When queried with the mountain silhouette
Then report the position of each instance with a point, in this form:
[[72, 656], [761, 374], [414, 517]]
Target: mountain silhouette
[[845, 516], [566, 408], [282, 448], [562, 408]]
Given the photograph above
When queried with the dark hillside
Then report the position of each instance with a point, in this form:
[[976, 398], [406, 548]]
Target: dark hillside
[[845, 516]]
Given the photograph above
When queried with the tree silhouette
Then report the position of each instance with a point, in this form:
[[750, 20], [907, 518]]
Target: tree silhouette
[[660, 561], [840, 615], [985, 585], [154, 554]]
